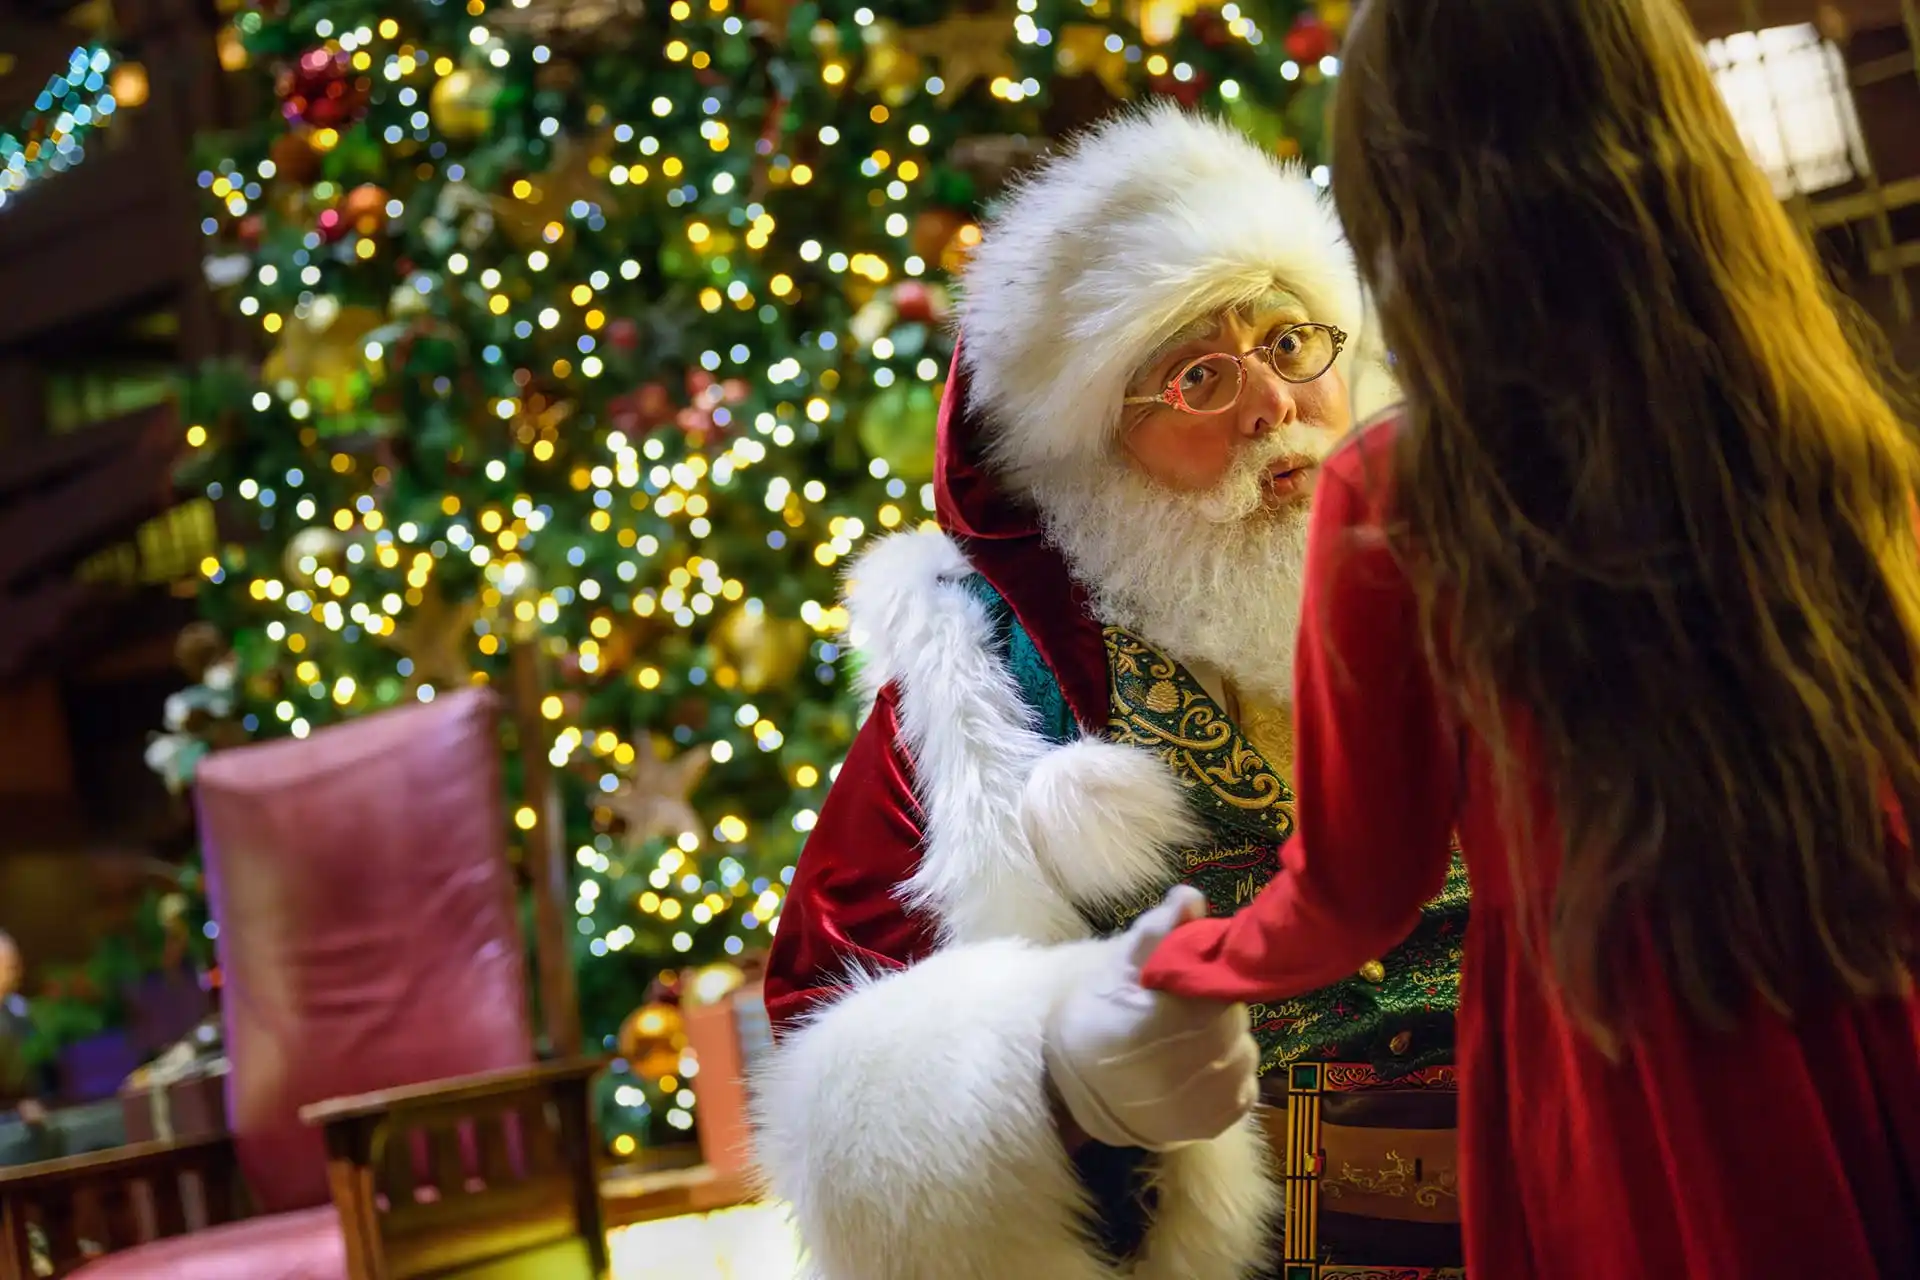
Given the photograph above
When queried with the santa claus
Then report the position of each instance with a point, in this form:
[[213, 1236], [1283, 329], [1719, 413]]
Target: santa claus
[[1079, 691]]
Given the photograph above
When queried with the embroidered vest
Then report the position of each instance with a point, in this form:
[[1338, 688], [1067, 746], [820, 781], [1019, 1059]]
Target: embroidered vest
[[1397, 1013]]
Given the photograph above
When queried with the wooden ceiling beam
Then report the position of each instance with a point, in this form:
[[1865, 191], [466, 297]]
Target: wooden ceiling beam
[[1716, 18]]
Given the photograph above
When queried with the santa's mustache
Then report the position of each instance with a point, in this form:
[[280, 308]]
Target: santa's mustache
[[1242, 491]]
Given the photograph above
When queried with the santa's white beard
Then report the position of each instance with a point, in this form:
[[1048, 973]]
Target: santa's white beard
[[1211, 578]]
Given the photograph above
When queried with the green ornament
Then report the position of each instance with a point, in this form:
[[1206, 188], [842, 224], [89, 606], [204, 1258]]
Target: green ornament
[[899, 425]]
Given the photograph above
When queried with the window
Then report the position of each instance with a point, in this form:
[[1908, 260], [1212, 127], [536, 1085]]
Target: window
[[1787, 89], [167, 548]]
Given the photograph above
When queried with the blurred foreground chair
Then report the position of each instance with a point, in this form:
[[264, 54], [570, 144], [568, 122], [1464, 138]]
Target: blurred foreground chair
[[388, 1118]]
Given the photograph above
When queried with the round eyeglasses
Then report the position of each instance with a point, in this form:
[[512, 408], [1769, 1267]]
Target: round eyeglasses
[[1212, 384]]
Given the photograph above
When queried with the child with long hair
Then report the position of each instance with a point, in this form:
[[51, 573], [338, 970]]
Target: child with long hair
[[1628, 594]]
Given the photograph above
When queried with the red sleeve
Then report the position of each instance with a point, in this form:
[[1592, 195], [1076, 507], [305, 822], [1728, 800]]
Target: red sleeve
[[1374, 768], [842, 911]]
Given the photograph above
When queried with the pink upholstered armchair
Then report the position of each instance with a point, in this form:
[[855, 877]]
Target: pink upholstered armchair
[[387, 1114]]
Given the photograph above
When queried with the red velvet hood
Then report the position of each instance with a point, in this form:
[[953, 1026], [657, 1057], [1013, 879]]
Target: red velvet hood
[[1000, 534]]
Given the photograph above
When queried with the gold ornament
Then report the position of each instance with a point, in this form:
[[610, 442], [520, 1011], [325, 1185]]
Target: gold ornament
[[824, 36], [712, 984], [935, 229], [461, 104], [578, 172], [323, 353], [1082, 51], [889, 69], [766, 651], [968, 47], [654, 800], [312, 549], [652, 1039], [1337, 14], [772, 12], [433, 635], [1159, 20]]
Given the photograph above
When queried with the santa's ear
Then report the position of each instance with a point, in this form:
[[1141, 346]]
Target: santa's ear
[[1105, 820]]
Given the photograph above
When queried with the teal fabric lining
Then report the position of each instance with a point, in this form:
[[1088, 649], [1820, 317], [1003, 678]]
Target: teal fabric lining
[[1051, 717]]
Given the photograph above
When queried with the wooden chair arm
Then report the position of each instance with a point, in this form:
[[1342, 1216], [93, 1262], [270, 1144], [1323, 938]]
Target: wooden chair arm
[[433, 1177], [57, 1215], [136, 1159], [630, 1198], [453, 1093]]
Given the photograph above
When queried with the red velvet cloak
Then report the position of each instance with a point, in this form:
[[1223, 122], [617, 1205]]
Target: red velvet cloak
[[842, 909]]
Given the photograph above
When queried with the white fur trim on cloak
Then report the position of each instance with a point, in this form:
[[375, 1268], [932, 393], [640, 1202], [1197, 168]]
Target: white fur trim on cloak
[[907, 1122]]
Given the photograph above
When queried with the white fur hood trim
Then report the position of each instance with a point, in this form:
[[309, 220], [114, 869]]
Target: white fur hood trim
[[1149, 221], [1021, 832]]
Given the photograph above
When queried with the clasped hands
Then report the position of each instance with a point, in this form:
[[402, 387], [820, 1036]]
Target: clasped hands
[[1138, 1068]]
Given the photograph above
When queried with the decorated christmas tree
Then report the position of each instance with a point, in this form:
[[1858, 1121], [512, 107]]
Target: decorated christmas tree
[[597, 337]]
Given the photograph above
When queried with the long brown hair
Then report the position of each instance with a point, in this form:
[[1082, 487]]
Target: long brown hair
[[1658, 511]]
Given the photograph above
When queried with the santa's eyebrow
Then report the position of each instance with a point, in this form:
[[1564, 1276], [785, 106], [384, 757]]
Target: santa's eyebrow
[[1275, 300]]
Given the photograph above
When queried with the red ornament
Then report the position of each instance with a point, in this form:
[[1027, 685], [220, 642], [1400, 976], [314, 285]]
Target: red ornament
[[641, 409], [331, 225], [1186, 92], [1209, 28], [365, 209], [1310, 39], [707, 416], [624, 334], [294, 159], [251, 229], [913, 301], [321, 91]]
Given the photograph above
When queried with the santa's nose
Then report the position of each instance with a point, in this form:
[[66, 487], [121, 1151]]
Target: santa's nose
[[1267, 402]]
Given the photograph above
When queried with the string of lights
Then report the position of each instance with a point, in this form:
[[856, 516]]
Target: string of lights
[[52, 137], [619, 356]]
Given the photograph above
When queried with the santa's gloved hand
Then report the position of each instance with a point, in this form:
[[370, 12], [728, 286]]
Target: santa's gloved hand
[[1139, 1068]]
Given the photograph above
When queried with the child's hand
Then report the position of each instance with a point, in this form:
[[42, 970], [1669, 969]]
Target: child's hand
[[1136, 1068]]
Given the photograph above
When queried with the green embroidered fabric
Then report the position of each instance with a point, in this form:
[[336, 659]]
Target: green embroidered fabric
[[1397, 1016]]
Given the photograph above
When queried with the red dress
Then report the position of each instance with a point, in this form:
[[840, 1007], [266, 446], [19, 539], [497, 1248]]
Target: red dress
[[1779, 1149]]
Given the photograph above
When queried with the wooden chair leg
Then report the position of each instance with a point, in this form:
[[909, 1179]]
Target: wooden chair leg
[[350, 1178], [16, 1244], [574, 1099]]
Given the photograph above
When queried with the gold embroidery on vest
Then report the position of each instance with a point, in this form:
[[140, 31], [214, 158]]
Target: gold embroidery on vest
[[1157, 704]]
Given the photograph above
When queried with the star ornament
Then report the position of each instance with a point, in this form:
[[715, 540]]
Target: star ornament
[[1082, 50], [654, 801], [969, 47], [577, 175], [434, 636]]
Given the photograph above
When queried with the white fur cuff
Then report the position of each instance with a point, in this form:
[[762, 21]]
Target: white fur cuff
[[1105, 820], [908, 1124]]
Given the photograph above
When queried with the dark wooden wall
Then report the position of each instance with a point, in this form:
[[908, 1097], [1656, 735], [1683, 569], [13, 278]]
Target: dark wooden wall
[[89, 260], [116, 238]]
